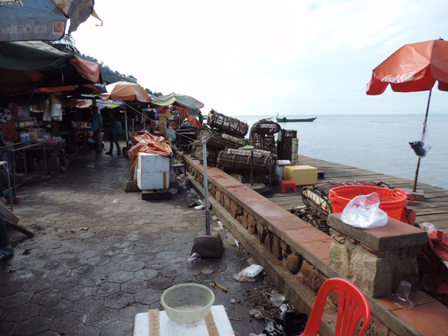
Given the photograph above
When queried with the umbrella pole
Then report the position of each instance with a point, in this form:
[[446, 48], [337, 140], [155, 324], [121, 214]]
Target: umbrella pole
[[414, 188], [126, 126]]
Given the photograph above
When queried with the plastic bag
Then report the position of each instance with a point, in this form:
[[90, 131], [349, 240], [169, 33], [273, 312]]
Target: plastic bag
[[401, 297], [172, 176], [56, 108], [194, 258], [182, 180], [47, 112], [278, 173], [249, 274], [277, 299], [364, 212], [421, 149]]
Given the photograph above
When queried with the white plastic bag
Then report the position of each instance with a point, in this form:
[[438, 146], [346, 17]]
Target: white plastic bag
[[47, 112], [56, 108], [364, 212]]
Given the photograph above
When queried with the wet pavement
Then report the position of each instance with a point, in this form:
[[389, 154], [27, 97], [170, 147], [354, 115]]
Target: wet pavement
[[100, 256]]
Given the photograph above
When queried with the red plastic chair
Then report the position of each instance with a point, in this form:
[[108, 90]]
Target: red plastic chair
[[352, 306]]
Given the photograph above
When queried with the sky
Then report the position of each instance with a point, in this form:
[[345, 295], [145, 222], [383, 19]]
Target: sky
[[297, 58]]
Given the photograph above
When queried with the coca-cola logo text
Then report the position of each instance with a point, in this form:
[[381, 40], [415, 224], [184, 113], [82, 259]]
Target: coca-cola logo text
[[407, 77]]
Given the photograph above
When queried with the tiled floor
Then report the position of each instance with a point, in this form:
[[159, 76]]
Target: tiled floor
[[69, 281]]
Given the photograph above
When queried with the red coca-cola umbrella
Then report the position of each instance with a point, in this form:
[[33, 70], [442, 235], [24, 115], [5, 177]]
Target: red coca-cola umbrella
[[413, 68]]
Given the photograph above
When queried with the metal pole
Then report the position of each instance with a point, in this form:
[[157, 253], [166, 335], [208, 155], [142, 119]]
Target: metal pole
[[13, 175], [45, 159], [9, 186], [252, 168], [207, 211], [414, 188]]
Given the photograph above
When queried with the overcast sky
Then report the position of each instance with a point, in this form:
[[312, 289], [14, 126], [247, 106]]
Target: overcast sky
[[263, 57]]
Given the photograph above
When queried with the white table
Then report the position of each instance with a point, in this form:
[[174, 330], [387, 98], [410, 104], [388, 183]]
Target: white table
[[170, 328]]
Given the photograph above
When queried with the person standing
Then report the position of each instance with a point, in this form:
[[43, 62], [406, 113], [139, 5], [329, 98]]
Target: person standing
[[113, 135], [97, 122], [200, 117]]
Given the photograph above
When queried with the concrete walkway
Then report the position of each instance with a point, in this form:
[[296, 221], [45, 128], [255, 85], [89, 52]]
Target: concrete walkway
[[100, 255]]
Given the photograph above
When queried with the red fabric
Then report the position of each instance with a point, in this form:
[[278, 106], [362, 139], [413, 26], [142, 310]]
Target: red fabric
[[183, 113], [88, 70], [194, 122], [9, 129], [148, 143]]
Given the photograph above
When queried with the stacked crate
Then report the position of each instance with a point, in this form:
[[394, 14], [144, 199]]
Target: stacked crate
[[285, 146]]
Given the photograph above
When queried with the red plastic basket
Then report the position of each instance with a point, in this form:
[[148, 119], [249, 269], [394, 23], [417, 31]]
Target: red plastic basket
[[392, 201]]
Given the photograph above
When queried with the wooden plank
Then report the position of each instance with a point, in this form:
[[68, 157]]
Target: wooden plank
[[153, 322], [433, 209], [8, 214], [19, 228]]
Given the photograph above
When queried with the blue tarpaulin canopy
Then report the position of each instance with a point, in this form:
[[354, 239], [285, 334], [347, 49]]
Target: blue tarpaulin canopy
[[41, 20]]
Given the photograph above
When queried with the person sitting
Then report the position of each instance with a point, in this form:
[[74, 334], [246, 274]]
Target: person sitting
[[6, 250]]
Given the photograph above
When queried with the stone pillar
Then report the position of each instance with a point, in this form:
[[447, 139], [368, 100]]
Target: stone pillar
[[376, 260]]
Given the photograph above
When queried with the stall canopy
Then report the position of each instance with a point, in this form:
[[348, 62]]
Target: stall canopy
[[26, 66], [126, 91], [175, 99], [73, 90], [41, 20]]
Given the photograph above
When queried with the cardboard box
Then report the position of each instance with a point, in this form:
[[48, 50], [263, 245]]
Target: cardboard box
[[162, 128], [162, 118]]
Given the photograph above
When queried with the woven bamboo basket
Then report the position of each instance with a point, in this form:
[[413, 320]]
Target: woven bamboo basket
[[316, 198], [223, 141], [212, 155], [227, 124], [266, 126], [241, 160]]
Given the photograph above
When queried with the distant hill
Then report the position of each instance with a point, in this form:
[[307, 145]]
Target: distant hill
[[68, 45], [112, 76]]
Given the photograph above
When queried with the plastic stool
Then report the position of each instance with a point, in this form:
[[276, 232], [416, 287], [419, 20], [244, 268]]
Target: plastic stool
[[286, 184]]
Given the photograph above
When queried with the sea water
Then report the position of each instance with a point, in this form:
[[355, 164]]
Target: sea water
[[378, 143]]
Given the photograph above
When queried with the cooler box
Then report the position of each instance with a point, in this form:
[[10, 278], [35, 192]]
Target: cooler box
[[153, 171], [166, 327], [301, 175]]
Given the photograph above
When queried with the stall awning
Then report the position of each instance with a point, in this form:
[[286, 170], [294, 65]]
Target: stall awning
[[26, 66], [173, 99]]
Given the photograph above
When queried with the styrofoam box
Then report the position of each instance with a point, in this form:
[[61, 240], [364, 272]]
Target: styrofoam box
[[151, 181], [153, 163], [301, 175], [170, 328], [282, 164]]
